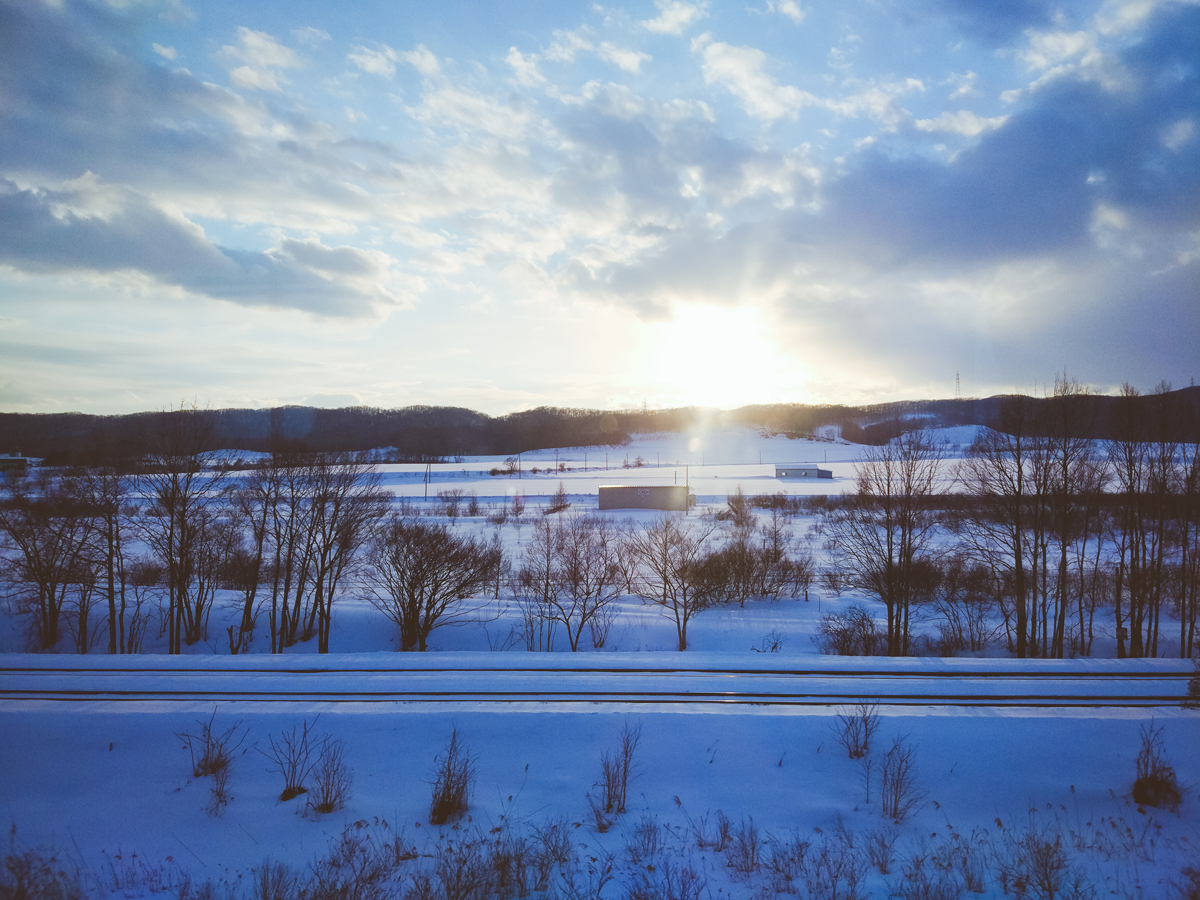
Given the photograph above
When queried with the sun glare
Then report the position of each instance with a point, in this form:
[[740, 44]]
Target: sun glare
[[712, 356]]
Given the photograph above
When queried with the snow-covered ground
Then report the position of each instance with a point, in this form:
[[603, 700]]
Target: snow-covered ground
[[108, 786]]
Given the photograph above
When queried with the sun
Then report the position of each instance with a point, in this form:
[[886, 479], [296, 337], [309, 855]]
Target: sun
[[724, 357]]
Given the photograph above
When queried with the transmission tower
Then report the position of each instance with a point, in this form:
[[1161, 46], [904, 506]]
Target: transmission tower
[[957, 387]]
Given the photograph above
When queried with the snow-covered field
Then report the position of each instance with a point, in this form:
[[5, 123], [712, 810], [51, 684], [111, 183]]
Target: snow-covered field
[[999, 795]]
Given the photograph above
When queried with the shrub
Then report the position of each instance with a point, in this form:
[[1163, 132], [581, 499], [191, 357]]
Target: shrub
[[452, 781], [705, 839], [851, 633], [357, 868], [744, 853], [273, 881], [668, 882], [646, 841], [1156, 783], [37, 874], [855, 727], [617, 768], [927, 883], [898, 788], [210, 751], [332, 778], [786, 864], [879, 849], [292, 758], [1033, 864]]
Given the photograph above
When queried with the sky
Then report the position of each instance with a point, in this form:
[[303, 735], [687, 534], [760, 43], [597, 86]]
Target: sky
[[509, 205]]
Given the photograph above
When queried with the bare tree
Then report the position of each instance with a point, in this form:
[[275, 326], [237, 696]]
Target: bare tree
[[995, 475], [1188, 596], [669, 554], [49, 529], [961, 599], [879, 539], [105, 491], [345, 504], [589, 579], [421, 576], [312, 512], [255, 502], [181, 486], [1076, 480], [536, 584], [1142, 455]]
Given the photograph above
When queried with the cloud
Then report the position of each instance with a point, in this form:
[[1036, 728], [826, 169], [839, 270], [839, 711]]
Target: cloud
[[164, 52], [313, 37], [675, 16], [964, 85], [962, 122], [1046, 49], [741, 70], [471, 111], [376, 62], [255, 79], [787, 8], [93, 229], [628, 60], [566, 45], [262, 56], [525, 68], [422, 60]]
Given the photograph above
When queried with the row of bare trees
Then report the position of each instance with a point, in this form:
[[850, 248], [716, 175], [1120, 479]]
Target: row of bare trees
[[1036, 519], [293, 527], [1057, 523]]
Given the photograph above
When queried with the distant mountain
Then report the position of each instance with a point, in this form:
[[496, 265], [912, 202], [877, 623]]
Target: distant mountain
[[420, 433]]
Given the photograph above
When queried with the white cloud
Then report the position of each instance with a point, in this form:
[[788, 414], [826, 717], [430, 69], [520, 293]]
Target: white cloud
[[525, 68], [877, 101], [1179, 134], [375, 62], [675, 16], [1118, 16], [964, 85], [741, 71], [1050, 48], [422, 60], [566, 45], [471, 111], [628, 60], [787, 8], [261, 51], [962, 122], [164, 52], [313, 37], [254, 79], [261, 55]]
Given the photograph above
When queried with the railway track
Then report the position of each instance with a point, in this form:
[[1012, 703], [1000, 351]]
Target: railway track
[[1020, 686]]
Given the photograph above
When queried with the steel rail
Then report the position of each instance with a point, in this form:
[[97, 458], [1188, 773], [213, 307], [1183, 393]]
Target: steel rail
[[675, 686]]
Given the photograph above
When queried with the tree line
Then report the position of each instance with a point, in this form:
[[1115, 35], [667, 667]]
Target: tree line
[[429, 433], [1048, 524], [1036, 528]]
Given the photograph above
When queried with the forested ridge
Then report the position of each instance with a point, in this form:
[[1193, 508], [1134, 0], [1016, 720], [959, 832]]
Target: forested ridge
[[421, 433]]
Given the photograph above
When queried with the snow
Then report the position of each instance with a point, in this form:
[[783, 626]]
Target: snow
[[99, 782]]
